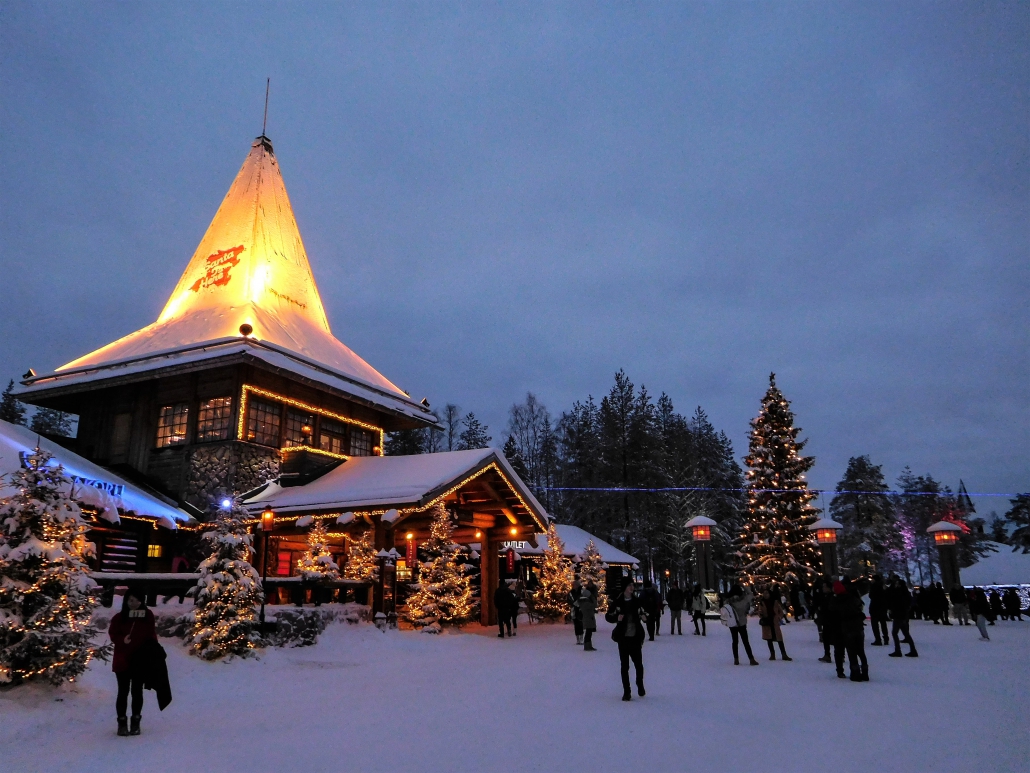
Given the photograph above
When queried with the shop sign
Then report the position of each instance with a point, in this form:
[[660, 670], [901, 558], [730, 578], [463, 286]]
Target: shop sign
[[515, 545]]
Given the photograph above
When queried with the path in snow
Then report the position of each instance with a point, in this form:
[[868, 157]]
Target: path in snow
[[364, 700]]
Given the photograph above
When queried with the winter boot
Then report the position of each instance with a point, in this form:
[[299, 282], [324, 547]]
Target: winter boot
[[786, 657], [840, 675], [911, 652], [754, 662], [640, 689], [579, 638], [627, 697], [123, 726], [736, 661], [825, 659], [896, 653], [134, 726], [589, 648], [877, 642], [865, 673]]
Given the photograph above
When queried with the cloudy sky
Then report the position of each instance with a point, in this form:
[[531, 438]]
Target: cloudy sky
[[499, 198]]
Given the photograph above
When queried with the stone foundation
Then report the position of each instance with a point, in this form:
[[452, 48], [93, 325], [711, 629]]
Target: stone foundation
[[219, 470]]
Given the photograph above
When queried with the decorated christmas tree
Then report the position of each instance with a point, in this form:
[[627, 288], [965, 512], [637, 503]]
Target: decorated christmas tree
[[223, 619], [443, 593], [361, 558], [551, 600], [592, 569], [775, 544], [46, 594], [317, 563]]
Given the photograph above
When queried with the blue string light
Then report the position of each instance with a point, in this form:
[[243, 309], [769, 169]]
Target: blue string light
[[645, 490]]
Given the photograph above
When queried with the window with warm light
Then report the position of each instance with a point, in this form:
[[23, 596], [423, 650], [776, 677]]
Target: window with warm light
[[171, 425], [263, 422], [154, 551], [298, 428], [332, 437], [213, 419]]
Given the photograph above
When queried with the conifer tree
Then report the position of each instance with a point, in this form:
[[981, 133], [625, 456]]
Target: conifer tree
[[48, 421], [474, 435], [362, 563], [775, 544], [1019, 516], [443, 593], [316, 563], [11, 408], [223, 620], [592, 569], [551, 599], [46, 594], [511, 453], [865, 509]]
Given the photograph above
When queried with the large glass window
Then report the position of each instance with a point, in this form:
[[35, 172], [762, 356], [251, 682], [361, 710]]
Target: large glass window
[[213, 419], [332, 437], [299, 428], [263, 421], [171, 425], [360, 442]]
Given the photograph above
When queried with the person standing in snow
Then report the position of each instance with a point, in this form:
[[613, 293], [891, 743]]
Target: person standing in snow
[[770, 616], [739, 603], [852, 629], [129, 629], [630, 619], [1013, 606], [997, 610], [960, 604], [899, 603], [878, 611], [577, 620], [506, 604], [652, 601], [674, 598], [980, 608], [587, 611], [698, 606]]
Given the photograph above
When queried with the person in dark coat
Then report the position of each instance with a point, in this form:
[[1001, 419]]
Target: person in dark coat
[[630, 620], [698, 607], [899, 604], [997, 610], [675, 598], [878, 611], [129, 629], [770, 616], [852, 629], [980, 608], [588, 610], [652, 601], [739, 603], [1013, 606], [960, 604], [506, 604], [577, 618]]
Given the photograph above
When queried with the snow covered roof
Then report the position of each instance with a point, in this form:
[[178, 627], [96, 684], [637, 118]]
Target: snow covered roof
[[1001, 568], [575, 540], [91, 484], [250, 271], [364, 482]]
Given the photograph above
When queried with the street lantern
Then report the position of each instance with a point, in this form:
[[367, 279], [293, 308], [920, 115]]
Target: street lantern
[[946, 534], [826, 535], [267, 524], [267, 520], [704, 569]]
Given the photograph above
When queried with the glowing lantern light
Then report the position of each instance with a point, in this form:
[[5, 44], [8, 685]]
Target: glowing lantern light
[[826, 530], [267, 520], [514, 531], [945, 532], [701, 526]]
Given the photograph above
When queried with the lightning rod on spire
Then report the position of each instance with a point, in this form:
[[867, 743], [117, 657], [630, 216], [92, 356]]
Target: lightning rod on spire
[[264, 123]]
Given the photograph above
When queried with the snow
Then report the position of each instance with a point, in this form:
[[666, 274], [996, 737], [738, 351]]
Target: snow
[[575, 540], [92, 485], [368, 481], [371, 700], [1001, 568]]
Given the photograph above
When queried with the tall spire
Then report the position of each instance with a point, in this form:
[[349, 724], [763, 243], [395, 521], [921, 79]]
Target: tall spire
[[249, 278]]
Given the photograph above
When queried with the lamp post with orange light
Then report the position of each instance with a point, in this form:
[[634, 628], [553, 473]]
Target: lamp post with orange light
[[267, 524], [946, 534], [704, 569], [826, 535]]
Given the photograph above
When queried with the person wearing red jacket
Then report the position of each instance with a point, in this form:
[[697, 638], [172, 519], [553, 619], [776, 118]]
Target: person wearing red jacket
[[129, 629]]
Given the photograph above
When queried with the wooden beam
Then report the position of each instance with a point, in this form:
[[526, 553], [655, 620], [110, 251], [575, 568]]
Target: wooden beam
[[508, 512]]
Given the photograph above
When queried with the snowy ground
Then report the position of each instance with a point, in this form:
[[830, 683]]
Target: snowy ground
[[364, 700]]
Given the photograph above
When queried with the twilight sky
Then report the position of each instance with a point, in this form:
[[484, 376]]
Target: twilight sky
[[501, 198]]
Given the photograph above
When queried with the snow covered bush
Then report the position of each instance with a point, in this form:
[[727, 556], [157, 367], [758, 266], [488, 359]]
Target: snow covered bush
[[223, 620], [443, 593], [317, 563], [46, 594], [551, 599]]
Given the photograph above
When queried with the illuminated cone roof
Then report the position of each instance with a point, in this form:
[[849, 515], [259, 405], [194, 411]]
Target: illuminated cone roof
[[249, 269]]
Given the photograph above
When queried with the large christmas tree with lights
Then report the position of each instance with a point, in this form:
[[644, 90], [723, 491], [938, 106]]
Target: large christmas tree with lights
[[316, 563], [551, 600], [223, 617], [46, 594], [362, 563], [443, 593], [775, 544]]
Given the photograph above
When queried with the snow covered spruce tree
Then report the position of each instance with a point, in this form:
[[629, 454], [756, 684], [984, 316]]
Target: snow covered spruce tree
[[592, 569], [1019, 517], [551, 600], [316, 563], [443, 593], [223, 620], [774, 544], [10, 408], [361, 558], [865, 509], [46, 594]]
